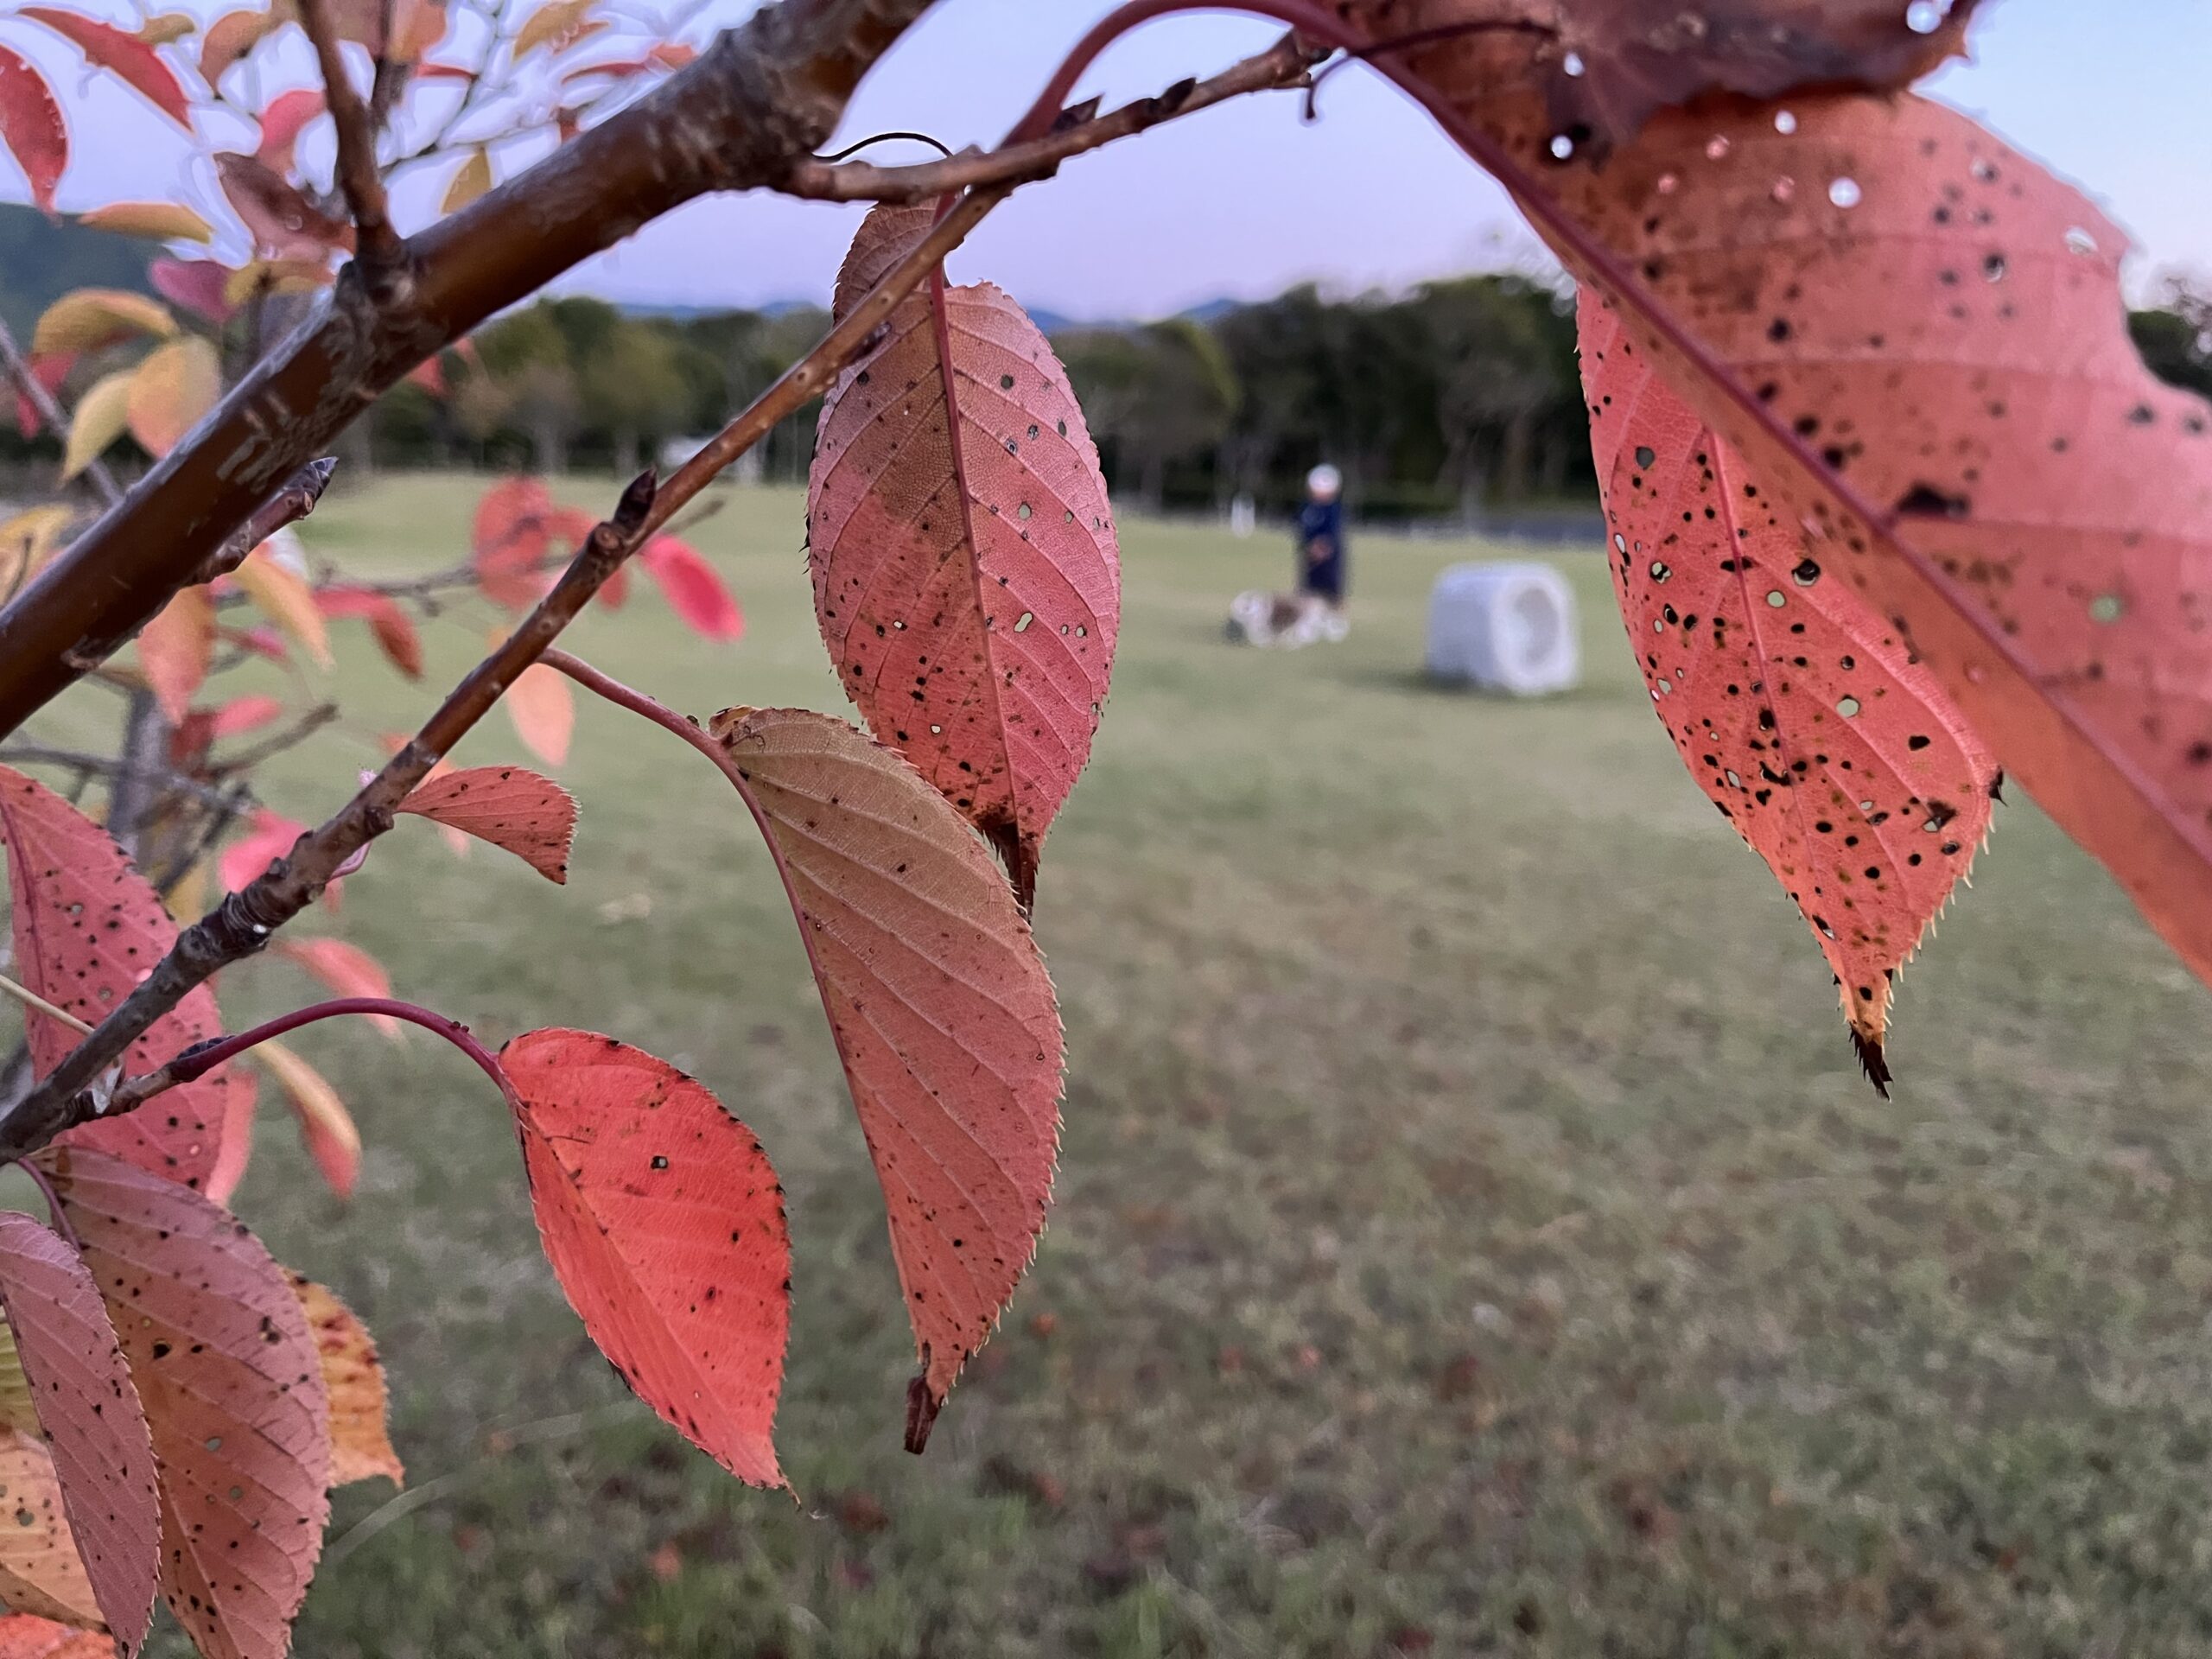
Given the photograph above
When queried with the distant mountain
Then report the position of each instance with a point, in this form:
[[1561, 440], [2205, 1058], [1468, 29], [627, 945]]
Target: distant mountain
[[41, 259]]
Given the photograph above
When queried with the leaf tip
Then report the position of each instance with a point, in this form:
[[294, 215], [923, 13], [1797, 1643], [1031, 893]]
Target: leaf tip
[[922, 1404], [1871, 1060]]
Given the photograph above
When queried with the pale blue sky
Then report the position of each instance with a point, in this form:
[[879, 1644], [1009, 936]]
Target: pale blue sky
[[1244, 199]]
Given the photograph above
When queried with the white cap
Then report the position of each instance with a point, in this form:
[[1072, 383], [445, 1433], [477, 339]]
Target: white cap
[[1324, 480]]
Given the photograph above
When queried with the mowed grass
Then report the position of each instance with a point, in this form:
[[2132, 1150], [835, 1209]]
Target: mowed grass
[[1471, 1234]]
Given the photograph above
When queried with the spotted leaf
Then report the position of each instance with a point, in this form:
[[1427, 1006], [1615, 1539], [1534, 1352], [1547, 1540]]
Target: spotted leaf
[[528, 814], [352, 1375], [966, 574], [664, 1222]]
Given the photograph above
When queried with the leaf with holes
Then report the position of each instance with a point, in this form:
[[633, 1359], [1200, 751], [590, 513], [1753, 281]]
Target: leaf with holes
[[175, 650], [233, 1391], [694, 592], [544, 711], [39, 1571], [325, 1124], [943, 1013], [95, 1434], [966, 574], [347, 969], [1795, 707], [86, 929], [174, 386], [353, 1376], [1914, 336], [528, 814], [159, 221], [123, 55], [664, 1222], [32, 128]]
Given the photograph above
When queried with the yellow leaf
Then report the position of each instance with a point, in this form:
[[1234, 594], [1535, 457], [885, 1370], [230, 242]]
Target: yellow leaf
[[164, 221], [360, 1442], [88, 318], [102, 413], [472, 180], [283, 597], [169, 26], [174, 387], [28, 540], [187, 900], [325, 1124], [548, 25], [274, 276]]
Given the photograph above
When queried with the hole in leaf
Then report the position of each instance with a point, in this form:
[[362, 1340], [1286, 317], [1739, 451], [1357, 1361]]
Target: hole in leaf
[[2107, 607], [1021, 624], [1847, 707], [1774, 598]]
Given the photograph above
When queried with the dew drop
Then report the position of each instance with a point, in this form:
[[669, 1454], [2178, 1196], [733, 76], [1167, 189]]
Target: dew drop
[[2080, 241], [1843, 193], [1562, 147], [1784, 187], [1925, 16], [1668, 184], [1785, 122], [1573, 64], [1716, 147]]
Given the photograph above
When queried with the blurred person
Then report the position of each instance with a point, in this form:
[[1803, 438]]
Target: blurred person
[[1321, 537]]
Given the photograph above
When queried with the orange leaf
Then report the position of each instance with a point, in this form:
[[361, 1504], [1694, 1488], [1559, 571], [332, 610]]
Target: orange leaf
[[233, 34], [32, 128], [282, 595], [347, 969], [470, 180], [1800, 713], [175, 648], [22, 1635], [129, 59], [966, 574], [162, 221], [531, 817], [943, 1013], [664, 1222], [360, 1442], [394, 631], [85, 925], [233, 1391], [325, 1124], [242, 715], [544, 712], [556, 26], [172, 390], [512, 535]]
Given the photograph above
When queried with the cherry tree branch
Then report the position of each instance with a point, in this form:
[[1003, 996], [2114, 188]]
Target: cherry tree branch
[[242, 924], [380, 253]]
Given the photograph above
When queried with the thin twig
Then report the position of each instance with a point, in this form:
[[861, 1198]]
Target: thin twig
[[31, 999], [288, 506], [100, 765], [50, 410], [378, 249], [243, 923], [307, 724]]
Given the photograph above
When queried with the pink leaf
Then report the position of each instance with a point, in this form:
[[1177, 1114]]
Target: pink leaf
[[544, 711], [268, 838], [198, 285], [88, 928], [347, 969], [25, 1636], [512, 535], [326, 1126], [235, 1150], [32, 128], [693, 590], [123, 54], [664, 1222], [242, 715], [387, 621], [282, 122], [966, 575], [91, 1417], [943, 1013], [232, 1386], [530, 815]]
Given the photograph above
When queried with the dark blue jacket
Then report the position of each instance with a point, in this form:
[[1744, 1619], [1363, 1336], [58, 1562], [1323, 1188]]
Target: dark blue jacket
[[1322, 521]]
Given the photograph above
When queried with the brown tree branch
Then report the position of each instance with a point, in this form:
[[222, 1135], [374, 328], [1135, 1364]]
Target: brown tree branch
[[288, 506], [1284, 64], [243, 923], [758, 100], [378, 250]]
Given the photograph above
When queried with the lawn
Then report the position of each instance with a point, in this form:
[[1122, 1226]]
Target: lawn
[[1472, 1235]]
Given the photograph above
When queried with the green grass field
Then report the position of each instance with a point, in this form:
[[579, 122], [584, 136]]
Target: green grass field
[[1472, 1235]]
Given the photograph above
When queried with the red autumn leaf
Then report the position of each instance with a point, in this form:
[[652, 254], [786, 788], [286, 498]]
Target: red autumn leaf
[[530, 815], [347, 969], [544, 711], [123, 54], [326, 1127], [1918, 347], [32, 128], [49, 369], [86, 928], [22, 1635], [198, 285], [430, 375], [663, 1221], [175, 648], [943, 1013], [223, 1360], [353, 1376], [694, 592], [242, 715], [261, 639], [966, 574], [268, 836], [1795, 707], [282, 122], [387, 621], [513, 536], [234, 1150], [91, 1417], [284, 224]]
